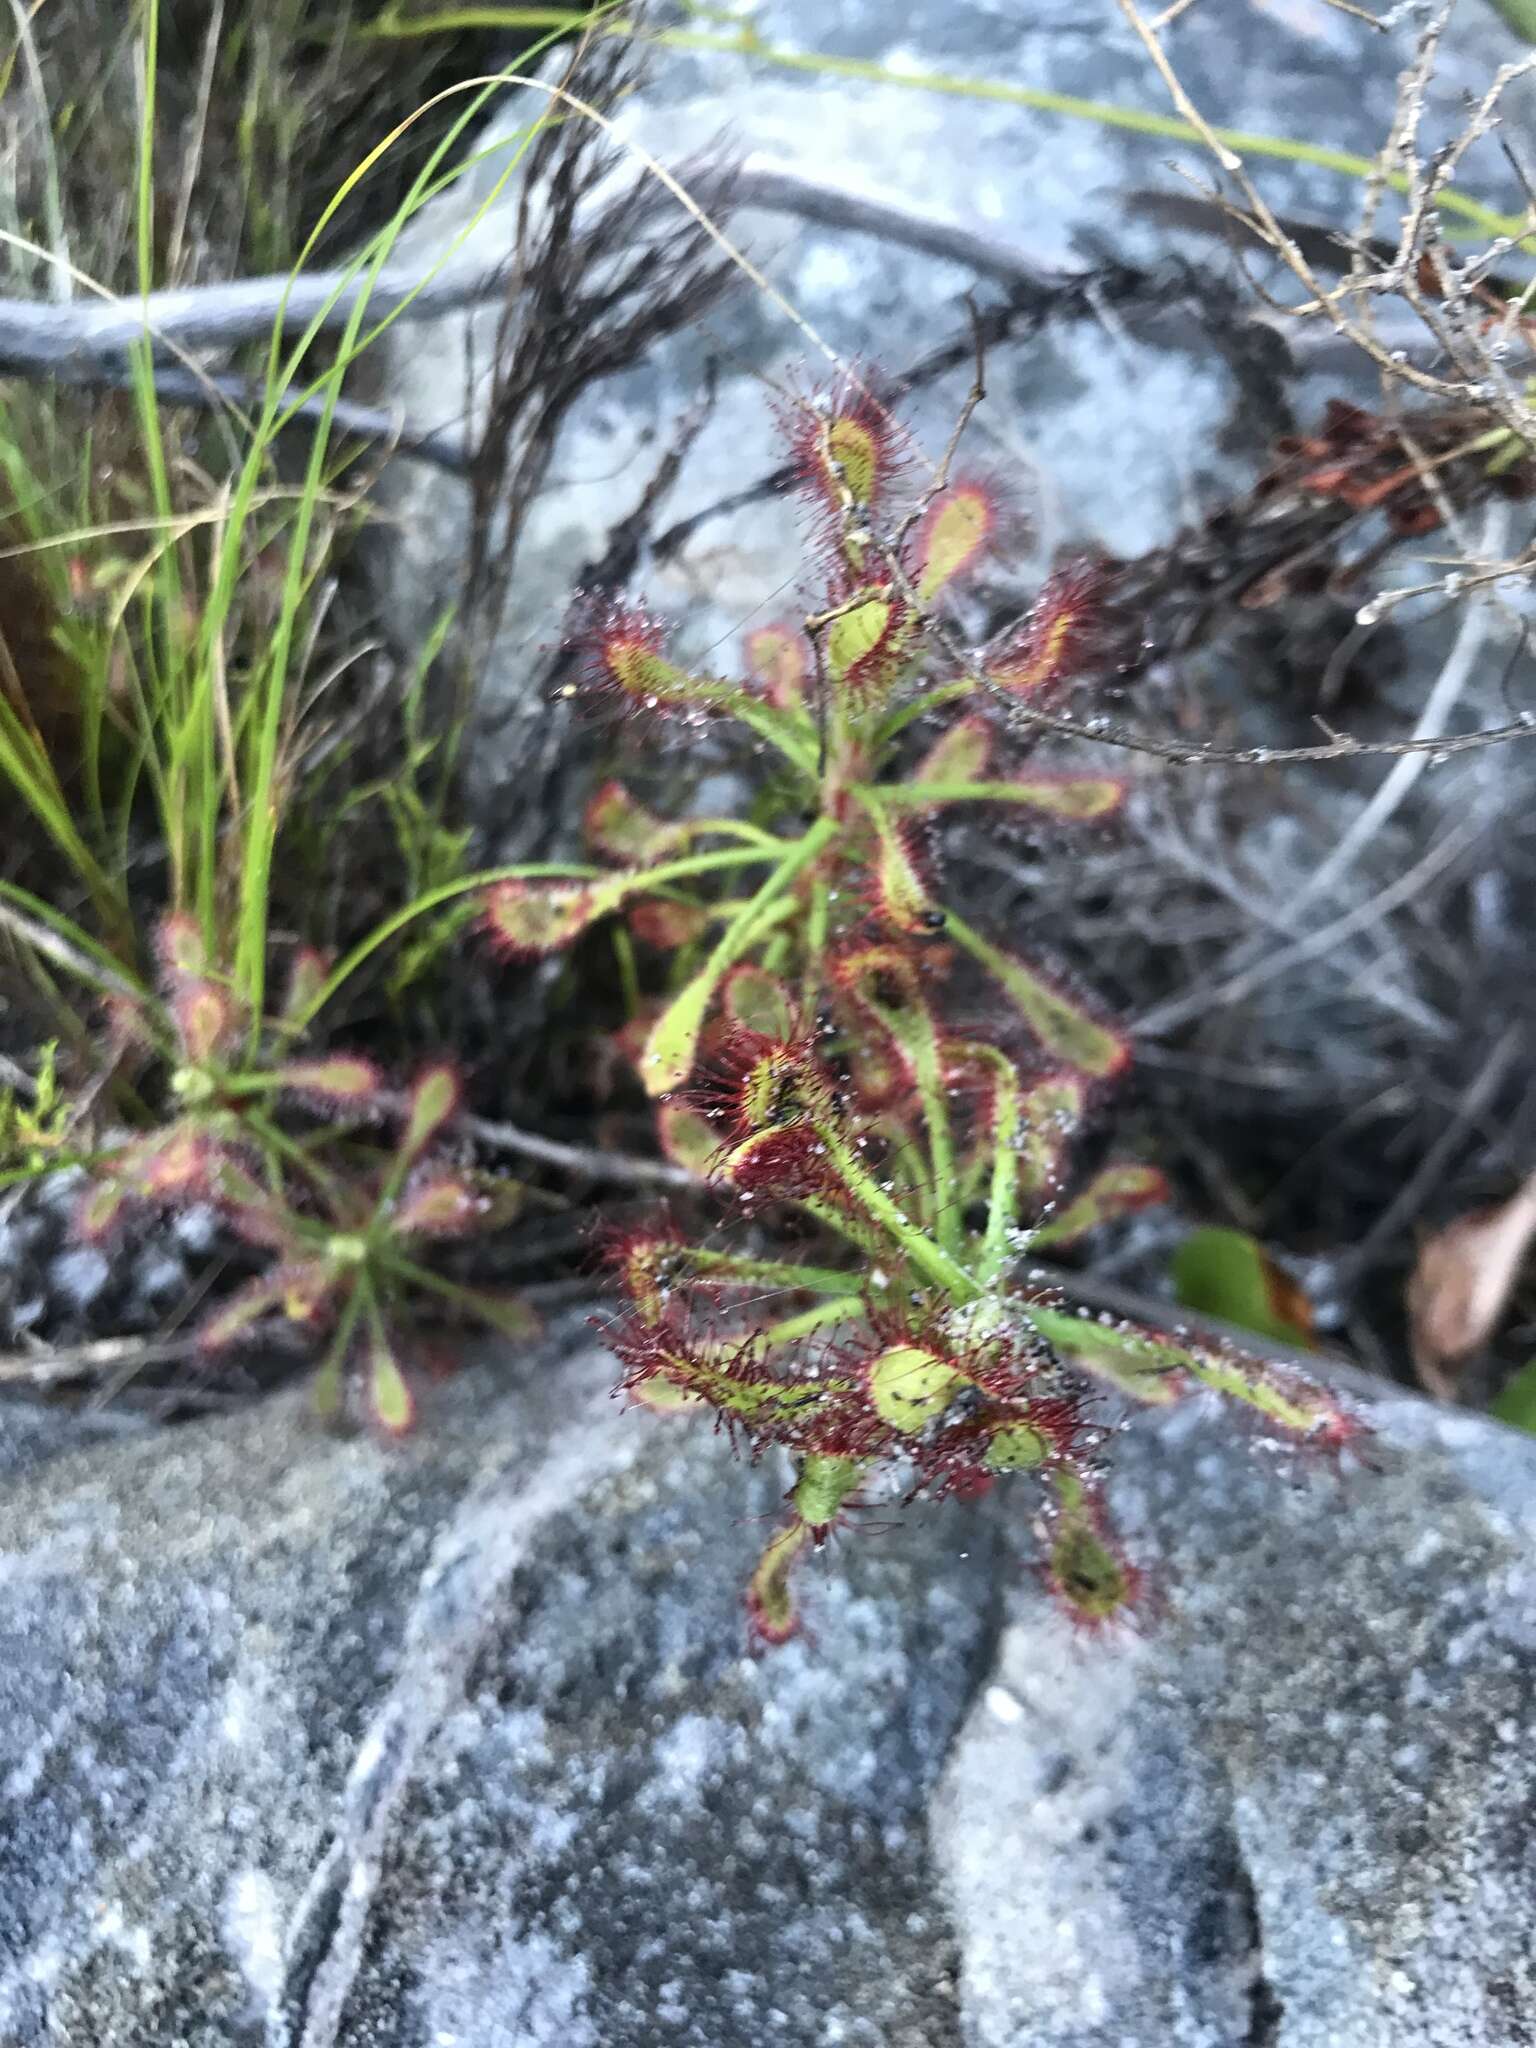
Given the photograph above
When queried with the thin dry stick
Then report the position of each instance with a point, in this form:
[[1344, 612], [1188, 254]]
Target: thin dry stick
[[1411, 1197], [60, 266], [1466, 650], [75, 1361], [583, 1159], [1200, 1002], [192, 162], [64, 955]]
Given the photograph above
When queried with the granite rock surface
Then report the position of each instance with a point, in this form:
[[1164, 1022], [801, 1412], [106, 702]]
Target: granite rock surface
[[461, 1744]]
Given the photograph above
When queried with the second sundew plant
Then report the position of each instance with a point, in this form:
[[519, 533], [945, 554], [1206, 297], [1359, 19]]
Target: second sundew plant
[[288, 1147], [804, 1062]]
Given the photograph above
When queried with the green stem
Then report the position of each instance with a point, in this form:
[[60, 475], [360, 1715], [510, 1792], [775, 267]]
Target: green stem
[[844, 1308], [670, 1049], [919, 707], [818, 915], [328, 1379], [1003, 1202], [732, 1266], [917, 1247], [385, 930]]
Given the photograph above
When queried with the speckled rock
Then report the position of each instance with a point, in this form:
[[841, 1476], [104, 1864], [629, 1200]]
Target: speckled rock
[[459, 1744], [1301, 1813]]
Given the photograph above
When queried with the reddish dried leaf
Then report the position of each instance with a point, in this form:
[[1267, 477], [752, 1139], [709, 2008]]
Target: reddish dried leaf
[[1461, 1286]]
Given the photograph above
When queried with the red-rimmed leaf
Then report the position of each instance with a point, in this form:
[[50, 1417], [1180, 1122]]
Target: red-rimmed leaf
[[881, 1072], [667, 925], [847, 450], [886, 984], [778, 659], [902, 890], [760, 1002], [787, 1163], [910, 1386], [1062, 1026], [1135, 1362], [1050, 1114], [205, 1018], [171, 1164], [620, 828], [306, 977], [526, 919], [962, 754], [1055, 641], [339, 1080], [868, 644], [664, 1397], [389, 1394], [770, 1604], [647, 1264], [625, 654], [297, 1293], [953, 536], [435, 1096], [1072, 799], [688, 1137], [440, 1205], [1087, 1573], [307, 1289], [1116, 1191], [179, 947]]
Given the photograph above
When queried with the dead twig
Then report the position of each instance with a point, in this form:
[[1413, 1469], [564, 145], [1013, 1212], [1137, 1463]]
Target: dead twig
[[587, 1160], [81, 1361]]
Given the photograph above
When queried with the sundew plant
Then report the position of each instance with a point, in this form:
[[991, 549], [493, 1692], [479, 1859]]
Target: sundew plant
[[894, 1180]]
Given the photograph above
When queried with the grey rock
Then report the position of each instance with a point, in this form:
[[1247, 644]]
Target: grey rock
[[459, 1743], [1300, 1812], [31, 1433], [310, 1741]]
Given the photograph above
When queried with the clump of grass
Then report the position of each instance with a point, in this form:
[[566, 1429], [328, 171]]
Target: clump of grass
[[169, 756]]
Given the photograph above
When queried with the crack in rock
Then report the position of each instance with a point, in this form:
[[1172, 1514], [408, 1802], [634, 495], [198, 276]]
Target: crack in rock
[[474, 1559]]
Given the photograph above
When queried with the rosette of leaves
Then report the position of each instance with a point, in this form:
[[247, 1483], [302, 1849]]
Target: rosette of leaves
[[862, 737], [275, 1141], [351, 1250], [188, 1044], [918, 1350]]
